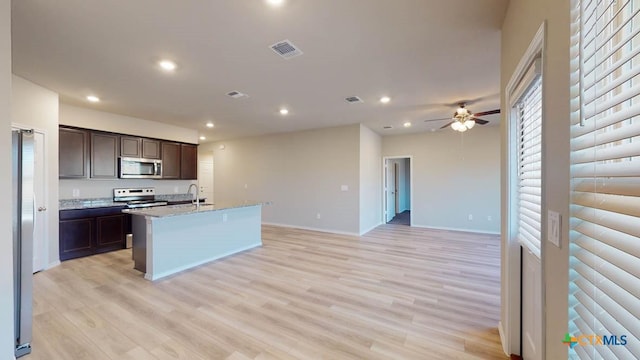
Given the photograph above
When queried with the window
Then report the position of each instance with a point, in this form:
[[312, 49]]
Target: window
[[604, 289], [528, 109]]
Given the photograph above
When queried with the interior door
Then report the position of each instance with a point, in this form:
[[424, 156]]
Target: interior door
[[205, 178], [531, 306], [389, 189], [40, 202]]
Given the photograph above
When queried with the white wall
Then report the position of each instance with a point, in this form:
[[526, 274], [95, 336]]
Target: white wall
[[36, 107], [370, 179], [454, 175], [300, 172], [523, 19], [6, 242], [100, 120]]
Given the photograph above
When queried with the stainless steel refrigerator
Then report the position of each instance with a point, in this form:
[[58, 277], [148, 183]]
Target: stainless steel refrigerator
[[23, 218]]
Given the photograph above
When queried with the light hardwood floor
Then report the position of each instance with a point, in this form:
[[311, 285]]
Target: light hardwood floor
[[396, 293]]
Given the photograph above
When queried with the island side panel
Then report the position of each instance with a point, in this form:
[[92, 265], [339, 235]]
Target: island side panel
[[139, 244], [181, 242]]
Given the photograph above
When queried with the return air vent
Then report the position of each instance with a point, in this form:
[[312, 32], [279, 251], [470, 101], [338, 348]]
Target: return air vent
[[387, 127], [237, 95], [353, 99], [286, 49]]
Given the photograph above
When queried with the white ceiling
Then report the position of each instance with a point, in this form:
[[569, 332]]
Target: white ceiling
[[425, 54]]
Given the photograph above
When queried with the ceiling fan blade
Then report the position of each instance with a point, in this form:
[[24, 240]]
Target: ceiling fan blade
[[449, 124], [490, 112], [447, 118], [480, 121]]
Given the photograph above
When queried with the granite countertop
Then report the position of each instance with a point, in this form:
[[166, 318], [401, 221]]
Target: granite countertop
[[74, 204], [173, 210]]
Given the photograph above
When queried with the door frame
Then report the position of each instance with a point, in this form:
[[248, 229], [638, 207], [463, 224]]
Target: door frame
[[411, 192], [46, 219], [510, 325]]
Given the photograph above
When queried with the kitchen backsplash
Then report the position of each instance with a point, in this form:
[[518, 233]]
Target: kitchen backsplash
[[92, 189]]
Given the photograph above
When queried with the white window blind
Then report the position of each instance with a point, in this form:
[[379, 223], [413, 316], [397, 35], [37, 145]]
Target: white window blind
[[604, 289], [529, 117]]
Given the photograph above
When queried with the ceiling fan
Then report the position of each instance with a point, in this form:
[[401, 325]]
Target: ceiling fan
[[463, 120]]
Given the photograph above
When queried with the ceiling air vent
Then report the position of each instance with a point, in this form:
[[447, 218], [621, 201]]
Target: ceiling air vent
[[237, 94], [353, 99], [387, 127], [286, 49]]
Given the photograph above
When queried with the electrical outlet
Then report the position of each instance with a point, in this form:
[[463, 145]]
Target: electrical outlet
[[489, 218], [245, 186], [470, 217], [318, 216], [344, 188], [76, 193], [224, 217]]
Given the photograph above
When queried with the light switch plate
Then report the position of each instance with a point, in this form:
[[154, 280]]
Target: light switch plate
[[554, 226], [344, 188]]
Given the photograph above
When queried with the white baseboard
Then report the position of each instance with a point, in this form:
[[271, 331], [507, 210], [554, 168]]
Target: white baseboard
[[503, 341], [455, 229], [157, 276], [312, 229], [369, 229], [52, 265]]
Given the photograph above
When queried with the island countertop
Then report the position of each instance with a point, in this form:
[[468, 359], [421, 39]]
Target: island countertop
[[174, 210]]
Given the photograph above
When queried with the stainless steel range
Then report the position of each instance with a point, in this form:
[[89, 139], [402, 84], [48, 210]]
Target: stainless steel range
[[137, 198]]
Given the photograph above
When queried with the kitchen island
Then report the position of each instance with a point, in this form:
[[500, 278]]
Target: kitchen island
[[170, 239]]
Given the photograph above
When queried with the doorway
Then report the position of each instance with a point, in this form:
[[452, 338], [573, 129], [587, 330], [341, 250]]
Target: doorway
[[205, 176], [397, 188]]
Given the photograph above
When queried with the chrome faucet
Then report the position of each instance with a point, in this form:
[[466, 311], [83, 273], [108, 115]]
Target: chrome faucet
[[197, 200]]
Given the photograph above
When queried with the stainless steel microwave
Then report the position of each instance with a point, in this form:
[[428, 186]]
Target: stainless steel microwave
[[138, 168]]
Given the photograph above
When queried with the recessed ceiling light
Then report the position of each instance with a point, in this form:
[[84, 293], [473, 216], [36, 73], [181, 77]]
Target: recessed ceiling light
[[275, 2], [284, 111], [407, 124], [203, 138], [210, 125], [167, 65], [385, 99], [93, 98]]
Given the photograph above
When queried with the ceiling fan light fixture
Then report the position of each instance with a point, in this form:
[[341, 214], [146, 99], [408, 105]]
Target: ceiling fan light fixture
[[469, 124], [455, 125]]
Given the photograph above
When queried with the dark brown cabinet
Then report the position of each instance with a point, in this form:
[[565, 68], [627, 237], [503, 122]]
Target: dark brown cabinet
[[170, 160], [73, 151], [130, 146], [86, 232], [188, 162], [104, 155], [150, 149], [139, 147], [93, 154]]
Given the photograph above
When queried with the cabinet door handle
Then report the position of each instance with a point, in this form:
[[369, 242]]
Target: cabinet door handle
[[42, 208]]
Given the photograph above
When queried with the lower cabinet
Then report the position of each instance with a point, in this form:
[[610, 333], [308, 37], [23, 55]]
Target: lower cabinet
[[86, 232]]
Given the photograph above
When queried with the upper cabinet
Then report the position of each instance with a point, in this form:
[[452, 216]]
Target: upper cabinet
[[139, 147], [188, 162], [130, 146], [104, 155], [151, 149], [170, 160], [94, 154], [73, 153]]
